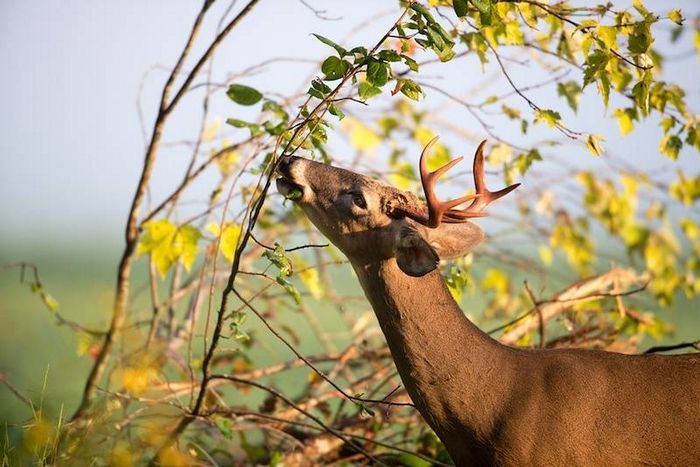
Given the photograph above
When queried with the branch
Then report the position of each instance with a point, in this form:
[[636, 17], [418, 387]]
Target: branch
[[289, 402], [592, 288], [121, 300]]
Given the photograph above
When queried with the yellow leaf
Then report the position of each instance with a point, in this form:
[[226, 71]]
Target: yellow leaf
[[490, 34], [361, 136], [514, 35], [676, 17], [229, 241], [607, 34], [135, 380], [185, 245], [495, 280], [312, 282], [213, 228], [313, 377], [624, 120], [439, 154], [593, 144], [500, 154], [546, 255], [84, 343], [121, 455], [402, 176], [157, 240], [172, 457], [39, 436], [210, 131], [167, 244], [227, 161]]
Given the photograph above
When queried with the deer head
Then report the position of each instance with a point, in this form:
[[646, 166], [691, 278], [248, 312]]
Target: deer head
[[371, 221]]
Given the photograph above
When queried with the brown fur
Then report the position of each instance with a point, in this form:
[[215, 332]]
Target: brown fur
[[491, 404]]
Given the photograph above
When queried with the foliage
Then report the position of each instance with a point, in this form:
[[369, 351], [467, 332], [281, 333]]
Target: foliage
[[189, 356]]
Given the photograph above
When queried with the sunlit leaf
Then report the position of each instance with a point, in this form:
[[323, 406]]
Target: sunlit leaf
[[624, 120], [550, 117], [311, 280], [210, 131], [167, 244], [594, 144], [361, 136], [290, 289], [495, 280], [279, 258]]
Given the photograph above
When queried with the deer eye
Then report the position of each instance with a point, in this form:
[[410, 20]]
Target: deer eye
[[359, 200]]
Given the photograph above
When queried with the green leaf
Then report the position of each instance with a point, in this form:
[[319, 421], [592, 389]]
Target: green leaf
[[255, 129], [550, 117], [389, 55], [640, 39], [595, 63], [335, 110], [571, 91], [411, 460], [604, 88], [334, 68], [367, 91], [224, 426], [377, 73], [322, 87], [524, 161], [341, 51], [243, 95], [410, 63], [670, 146], [484, 6], [640, 91], [593, 144], [411, 89], [290, 289], [50, 302], [460, 7], [278, 257]]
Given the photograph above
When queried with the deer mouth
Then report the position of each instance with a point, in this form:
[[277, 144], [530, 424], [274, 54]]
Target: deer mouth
[[289, 189], [286, 185]]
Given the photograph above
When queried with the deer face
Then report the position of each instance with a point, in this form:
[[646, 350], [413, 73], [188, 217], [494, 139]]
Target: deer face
[[370, 221], [350, 209]]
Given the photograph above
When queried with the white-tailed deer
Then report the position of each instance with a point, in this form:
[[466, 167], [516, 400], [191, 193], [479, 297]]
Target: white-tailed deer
[[491, 404]]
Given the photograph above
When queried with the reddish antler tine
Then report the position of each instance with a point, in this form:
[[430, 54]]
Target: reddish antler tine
[[444, 211], [436, 208], [483, 196]]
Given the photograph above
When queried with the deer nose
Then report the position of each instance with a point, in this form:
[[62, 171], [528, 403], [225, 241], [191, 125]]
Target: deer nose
[[284, 165]]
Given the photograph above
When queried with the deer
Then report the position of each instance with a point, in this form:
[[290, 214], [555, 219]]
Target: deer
[[490, 404]]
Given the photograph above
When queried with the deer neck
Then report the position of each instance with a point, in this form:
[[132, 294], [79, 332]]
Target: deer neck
[[455, 374]]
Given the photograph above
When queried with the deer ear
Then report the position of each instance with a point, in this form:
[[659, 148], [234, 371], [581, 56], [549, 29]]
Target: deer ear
[[452, 241], [414, 255]]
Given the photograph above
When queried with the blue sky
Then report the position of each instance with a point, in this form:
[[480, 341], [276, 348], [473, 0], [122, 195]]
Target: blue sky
[[71, 145]]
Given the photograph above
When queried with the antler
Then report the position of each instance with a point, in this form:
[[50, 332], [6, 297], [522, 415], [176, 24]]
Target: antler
[[443, 211]]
